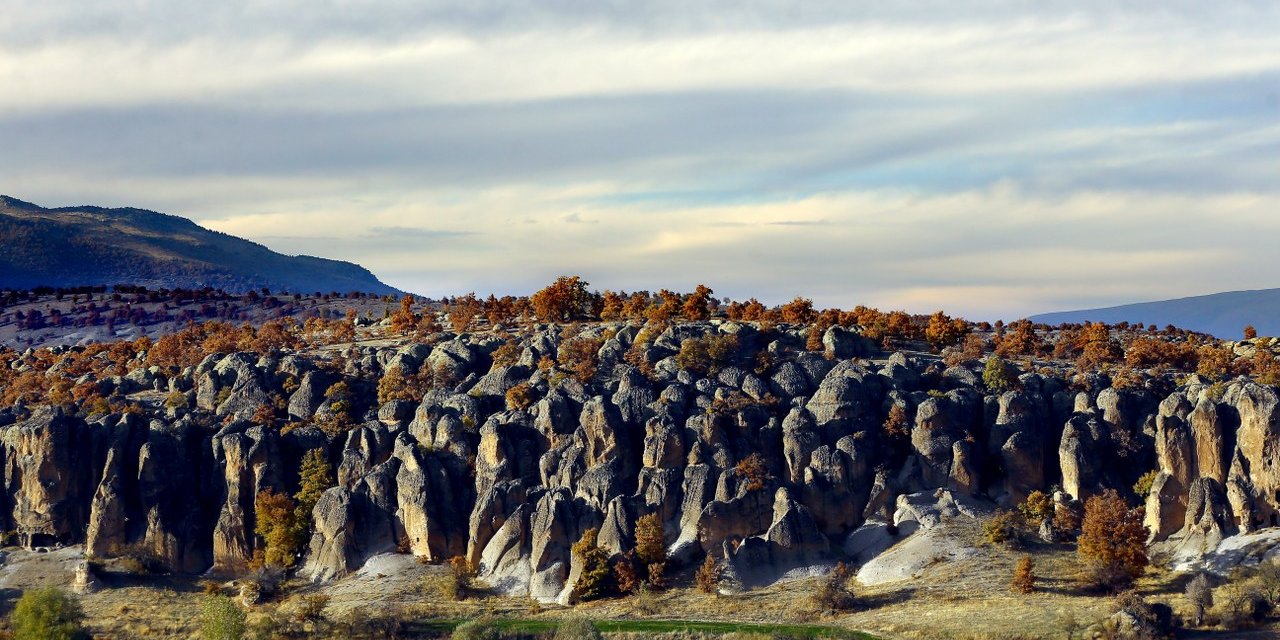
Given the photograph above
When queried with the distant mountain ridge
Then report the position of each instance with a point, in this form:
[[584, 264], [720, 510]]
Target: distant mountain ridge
[[1223, 315], [87, 245]]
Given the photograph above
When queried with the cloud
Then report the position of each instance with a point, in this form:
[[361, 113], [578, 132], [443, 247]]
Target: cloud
[[995, 157]]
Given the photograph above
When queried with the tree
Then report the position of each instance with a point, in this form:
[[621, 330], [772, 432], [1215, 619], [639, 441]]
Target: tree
[[594, 581], [998, 375], [47, 613], [1250, 333], [404, 320], [1024, 579], [1200, 596], [708, 575], [463, 310], [651, 546], [798, 311], [698, 305], [221, 619], [564, 300], [1113, 539], [278, 525], [314, 478], [944, 331]]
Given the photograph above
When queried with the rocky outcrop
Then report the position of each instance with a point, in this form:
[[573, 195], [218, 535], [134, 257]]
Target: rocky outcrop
[[771, 460]]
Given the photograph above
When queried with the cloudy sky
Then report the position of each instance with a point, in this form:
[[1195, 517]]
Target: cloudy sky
[[993, 158]]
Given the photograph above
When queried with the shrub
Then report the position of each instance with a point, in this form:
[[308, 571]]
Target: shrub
[[478, 629], [1037, 508], [1005, 528], [1142, 487], [579, 357], [1114, 538], [1238, 604], [944, 331], [47, 614], [752, 472], [221, 619], [896, 426], [624, 574], [311, 607], [1250, 333], [835, 594], [520, 397], [998, 375], [506, 355], [707, 354], [461, 582], [707, 578], [577, 629], [1024, 578], [1199, 596]]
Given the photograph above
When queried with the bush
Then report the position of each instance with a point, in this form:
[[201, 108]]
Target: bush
[[577, 629], [1114, 537], [1024, 578], [651, 545], [999, 376], [221, 619], [478, 629], [707, 354], [1142, 487], [835, 594], [520, 397], [311, 607], [624, 573], [47, 614], [707, 578], [751, 470], [1037, 508], [1239, 605], [1005, 528]]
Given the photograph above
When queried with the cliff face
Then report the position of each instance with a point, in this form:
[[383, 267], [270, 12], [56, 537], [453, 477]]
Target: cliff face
[[460, 473]]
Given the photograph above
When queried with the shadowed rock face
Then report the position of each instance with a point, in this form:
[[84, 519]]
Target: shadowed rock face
[[769, 470]]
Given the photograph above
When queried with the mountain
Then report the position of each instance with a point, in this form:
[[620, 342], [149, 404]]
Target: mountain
[[74, 246], [1221, 314]]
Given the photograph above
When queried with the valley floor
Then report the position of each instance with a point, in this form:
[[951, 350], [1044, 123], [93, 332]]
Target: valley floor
[[961, 599]]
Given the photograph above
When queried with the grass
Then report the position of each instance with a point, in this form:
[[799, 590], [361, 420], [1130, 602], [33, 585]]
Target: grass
[[519, 625]]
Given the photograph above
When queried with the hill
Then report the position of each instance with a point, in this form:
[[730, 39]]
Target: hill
[[1221, 314], [77, 246]]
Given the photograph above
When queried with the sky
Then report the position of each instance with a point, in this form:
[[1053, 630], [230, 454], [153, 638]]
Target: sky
[[991, 158]]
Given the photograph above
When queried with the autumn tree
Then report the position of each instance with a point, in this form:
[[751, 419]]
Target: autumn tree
[[798, 311], [1113, 539], [697, 306], [580, 357], [564, 300], [1024, 578], [708, 575], [944, 331], [463, 310], [897, 427], [279, 527], [611, 305], [595, 580], [667, 307], [1250, 333], [651, 546], [404, 320]]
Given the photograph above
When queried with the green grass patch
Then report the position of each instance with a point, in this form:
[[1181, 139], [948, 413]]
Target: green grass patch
[[517, 625]]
